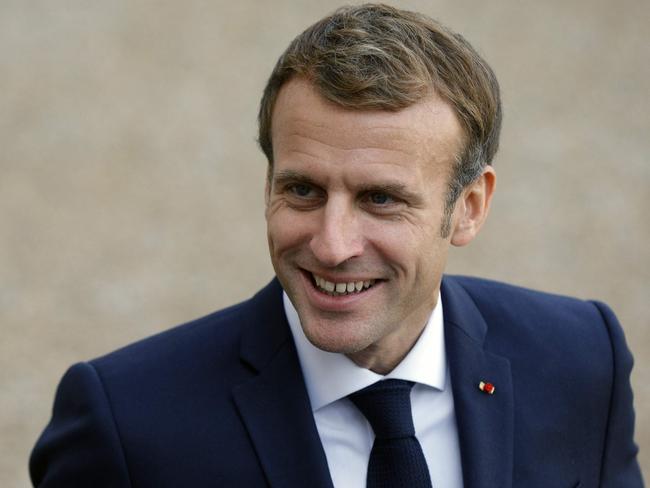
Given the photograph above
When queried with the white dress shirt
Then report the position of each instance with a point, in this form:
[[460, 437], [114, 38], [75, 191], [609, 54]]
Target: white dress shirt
[[345, 433]]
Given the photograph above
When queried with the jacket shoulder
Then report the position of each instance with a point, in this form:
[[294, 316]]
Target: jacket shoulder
[[525, 324], [218, 330], [479, 286], [497, 299], [208, 344]]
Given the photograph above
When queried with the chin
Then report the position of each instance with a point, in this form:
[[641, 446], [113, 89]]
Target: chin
[[336, 336]]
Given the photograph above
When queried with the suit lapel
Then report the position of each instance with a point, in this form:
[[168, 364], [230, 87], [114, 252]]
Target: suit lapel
[[485, 422], [274, 404]]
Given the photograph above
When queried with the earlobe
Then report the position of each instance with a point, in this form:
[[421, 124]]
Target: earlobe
[[473, 207]]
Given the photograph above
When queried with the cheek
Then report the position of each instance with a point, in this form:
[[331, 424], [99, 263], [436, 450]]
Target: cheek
[[392, 246], [406, 245], [284, 231]]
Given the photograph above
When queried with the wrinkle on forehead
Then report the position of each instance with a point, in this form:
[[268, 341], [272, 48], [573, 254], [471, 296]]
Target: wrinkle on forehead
[[297, 143], [305, 122]]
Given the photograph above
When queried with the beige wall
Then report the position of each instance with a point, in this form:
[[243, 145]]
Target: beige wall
[[131, 186]]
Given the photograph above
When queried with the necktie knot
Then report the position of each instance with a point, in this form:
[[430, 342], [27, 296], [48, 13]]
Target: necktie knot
[[387, 407]]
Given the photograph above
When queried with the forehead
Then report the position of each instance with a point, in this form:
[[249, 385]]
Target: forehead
[[427, 132]]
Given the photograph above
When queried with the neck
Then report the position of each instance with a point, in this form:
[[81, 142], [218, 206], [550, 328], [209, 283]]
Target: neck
[[382, 357]]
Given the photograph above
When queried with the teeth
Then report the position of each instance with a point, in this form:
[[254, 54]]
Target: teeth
[[342, 288]]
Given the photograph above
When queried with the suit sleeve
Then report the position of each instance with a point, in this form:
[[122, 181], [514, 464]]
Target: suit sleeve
[[80, 447], [619, 468]]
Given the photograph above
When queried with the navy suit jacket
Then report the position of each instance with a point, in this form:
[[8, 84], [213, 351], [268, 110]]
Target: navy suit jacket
[[221, 401]]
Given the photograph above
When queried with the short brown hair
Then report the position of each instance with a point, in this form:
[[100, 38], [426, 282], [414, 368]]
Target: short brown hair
[[374, 56]]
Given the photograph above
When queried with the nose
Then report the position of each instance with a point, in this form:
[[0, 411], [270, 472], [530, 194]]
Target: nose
[[338, 236]]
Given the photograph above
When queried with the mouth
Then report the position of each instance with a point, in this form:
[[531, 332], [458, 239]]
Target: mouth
[[341, 288]]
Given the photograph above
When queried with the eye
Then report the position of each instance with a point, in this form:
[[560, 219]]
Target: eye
[[380, 198], [300, 190]]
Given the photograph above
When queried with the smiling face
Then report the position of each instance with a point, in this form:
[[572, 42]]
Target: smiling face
[[355, 205]]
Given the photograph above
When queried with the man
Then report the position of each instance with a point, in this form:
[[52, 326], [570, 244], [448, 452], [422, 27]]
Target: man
[[361, 365]]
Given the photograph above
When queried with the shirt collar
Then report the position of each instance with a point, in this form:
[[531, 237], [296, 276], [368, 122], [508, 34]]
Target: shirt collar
[[332, 376]]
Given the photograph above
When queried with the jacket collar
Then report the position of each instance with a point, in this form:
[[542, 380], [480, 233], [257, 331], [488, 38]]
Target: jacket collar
[[274, 404], [485, 422]]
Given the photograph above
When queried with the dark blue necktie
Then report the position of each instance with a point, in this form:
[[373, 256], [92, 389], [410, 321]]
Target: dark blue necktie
[[396, 459]]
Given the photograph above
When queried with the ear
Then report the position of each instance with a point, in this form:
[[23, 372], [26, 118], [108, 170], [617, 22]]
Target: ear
[[472, 207]]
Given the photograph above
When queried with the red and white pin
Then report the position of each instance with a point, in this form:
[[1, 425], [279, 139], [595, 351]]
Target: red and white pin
[[486, 387]]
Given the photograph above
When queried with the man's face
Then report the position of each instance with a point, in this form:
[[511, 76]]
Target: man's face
[[354, 210]]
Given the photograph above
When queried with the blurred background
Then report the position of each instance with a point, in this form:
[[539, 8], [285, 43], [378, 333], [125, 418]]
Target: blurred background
[[131, 187]]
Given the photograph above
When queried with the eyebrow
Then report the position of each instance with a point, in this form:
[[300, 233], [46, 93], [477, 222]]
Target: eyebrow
[[290, 176]]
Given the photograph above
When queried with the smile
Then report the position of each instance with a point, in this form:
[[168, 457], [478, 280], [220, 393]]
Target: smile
[[343, 288]]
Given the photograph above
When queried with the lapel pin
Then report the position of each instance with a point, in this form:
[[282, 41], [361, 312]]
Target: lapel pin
[[486, 387]]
